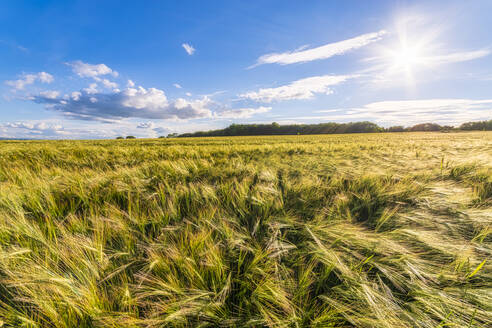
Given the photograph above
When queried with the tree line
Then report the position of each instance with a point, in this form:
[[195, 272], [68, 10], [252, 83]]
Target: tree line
[[329, 128]]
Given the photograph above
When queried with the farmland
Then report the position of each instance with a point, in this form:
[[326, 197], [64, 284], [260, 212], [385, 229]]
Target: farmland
[[356, 230]]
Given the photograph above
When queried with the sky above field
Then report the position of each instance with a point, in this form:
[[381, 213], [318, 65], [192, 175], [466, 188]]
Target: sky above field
[[100, 69]]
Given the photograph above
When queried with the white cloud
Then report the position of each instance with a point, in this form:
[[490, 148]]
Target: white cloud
[[161, 130], [27, 79], [53, 129], [130, 84], [242, 112], [76, 95], [21, 125], [45, 77], [88, 70], [91, 89], [146, 125], [188, 48], [131, 102], [109, 84], [50, 94], [31, 130], [410, 112], [188, 94], [177, 86], [456, 57], [151, 129], [300, 89], [390, 62], [323, 52], [138, 102]]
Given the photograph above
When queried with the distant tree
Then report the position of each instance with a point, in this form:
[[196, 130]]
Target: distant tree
[[479, 126], [130, 137], [397, 128], [292, 129], [120, 138], [447, 128], [326, 128], [425, 127], [172, 135]]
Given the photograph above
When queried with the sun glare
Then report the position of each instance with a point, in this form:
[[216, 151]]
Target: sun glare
[[410, 54], [406, 57]]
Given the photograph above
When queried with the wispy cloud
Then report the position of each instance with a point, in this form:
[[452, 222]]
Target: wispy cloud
[[242, 112], [323, 52], [188, 48], [32, 130], [27, 79], [457, 57], [389, 61], [54, 129], [177, 86], [300, 89], [396, 112], [14, 45]]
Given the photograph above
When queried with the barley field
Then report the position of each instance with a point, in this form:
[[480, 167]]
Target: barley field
[[365, 230]]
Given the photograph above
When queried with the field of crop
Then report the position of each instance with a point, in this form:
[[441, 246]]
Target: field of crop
[[367, 230]]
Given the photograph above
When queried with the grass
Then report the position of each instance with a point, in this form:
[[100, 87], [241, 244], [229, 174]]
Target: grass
[[368, 230]]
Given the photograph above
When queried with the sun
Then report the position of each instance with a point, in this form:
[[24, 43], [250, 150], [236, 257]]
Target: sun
[[409, 54], [407, 58]]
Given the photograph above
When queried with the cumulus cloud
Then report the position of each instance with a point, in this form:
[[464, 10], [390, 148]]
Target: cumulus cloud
[[91, 89], [328, 50], [109, 84], [103, 101], [88, 70], [27, 79], [177, 86], [151, 129], [300, 89], [50, 94], [188, 48], [45, 77], [76, 95], [146, 125], [138, 102]]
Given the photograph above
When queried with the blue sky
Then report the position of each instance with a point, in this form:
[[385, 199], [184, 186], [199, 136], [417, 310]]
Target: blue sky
[[99, 69]]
